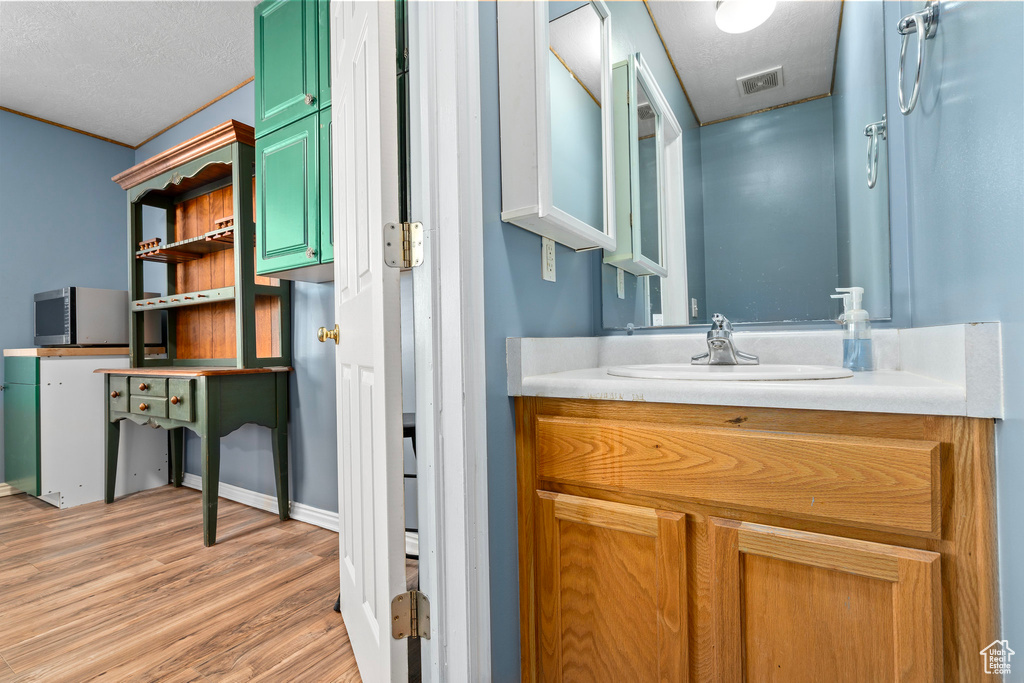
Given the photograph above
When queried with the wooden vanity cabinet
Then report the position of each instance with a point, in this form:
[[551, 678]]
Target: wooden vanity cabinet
[[705, 543]]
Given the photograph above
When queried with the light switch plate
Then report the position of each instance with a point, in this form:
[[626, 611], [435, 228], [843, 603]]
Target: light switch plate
[[620, 282], [547, 259]]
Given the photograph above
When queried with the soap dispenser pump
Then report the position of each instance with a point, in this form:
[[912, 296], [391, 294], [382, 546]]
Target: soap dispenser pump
[[857, 354]]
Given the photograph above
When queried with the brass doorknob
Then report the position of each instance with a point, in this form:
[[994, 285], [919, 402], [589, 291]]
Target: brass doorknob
[[143, 406], [323, 334], [143, 386], [114, 394], [174, 400]]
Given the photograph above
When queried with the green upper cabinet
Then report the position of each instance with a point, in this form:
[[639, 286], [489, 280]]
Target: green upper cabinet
[[325, 52], [326, 224], [288, 84], [287, 198]]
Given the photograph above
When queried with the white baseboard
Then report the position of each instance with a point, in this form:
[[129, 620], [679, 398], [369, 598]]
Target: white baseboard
[[298, 511], [7, 490], [261, 501]]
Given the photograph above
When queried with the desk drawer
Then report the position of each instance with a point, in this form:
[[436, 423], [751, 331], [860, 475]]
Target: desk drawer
[[861, 481], [148, 386], [147, 405], [181, 402], [118, 394]]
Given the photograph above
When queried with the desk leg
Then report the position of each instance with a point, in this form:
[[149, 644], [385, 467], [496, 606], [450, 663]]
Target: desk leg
[[211, 461], [177, 439], [279, 437], [112, 440]]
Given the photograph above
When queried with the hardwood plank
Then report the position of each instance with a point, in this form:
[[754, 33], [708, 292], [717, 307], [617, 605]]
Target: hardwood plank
[[124, 592]]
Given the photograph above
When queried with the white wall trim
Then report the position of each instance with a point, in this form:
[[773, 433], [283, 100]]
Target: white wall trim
[[451, 429], [261, 501], [7, 490]]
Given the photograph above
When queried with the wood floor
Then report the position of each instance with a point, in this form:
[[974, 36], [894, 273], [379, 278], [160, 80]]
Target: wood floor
[[127, 592]]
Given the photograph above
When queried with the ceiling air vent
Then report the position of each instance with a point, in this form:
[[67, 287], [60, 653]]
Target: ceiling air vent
[[763, 80], [645, 111]]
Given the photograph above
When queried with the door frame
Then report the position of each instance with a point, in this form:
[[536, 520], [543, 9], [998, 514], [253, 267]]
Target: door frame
[[447, 197]]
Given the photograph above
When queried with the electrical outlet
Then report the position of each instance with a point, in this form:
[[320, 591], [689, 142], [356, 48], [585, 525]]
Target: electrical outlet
[[547, 259], [620, 282], [693, 308]]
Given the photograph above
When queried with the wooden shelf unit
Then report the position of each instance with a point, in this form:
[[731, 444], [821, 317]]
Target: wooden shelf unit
[[219, 312]]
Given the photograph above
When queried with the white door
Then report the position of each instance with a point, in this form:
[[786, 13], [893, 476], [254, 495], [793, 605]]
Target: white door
[[369, 355]]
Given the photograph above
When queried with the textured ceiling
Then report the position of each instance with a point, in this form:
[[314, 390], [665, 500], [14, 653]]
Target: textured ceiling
[[121, 70], [576, 38], [800, 36]]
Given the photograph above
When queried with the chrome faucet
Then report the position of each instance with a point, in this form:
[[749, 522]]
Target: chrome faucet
[[721, 350]]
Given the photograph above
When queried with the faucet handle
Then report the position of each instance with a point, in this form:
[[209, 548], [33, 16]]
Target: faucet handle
[[720, 322]]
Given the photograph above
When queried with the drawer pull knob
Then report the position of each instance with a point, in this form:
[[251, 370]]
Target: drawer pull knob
[[143, 386], [114, 394], [175, 400], [143, 406]]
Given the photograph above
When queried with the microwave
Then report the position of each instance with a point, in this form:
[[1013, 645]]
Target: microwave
[[83, 316]]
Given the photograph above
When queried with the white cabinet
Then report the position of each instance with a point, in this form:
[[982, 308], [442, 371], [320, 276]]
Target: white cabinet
[[71, 436]]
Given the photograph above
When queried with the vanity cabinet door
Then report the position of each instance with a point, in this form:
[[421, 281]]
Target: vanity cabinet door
[[797, 606], [610, 591]]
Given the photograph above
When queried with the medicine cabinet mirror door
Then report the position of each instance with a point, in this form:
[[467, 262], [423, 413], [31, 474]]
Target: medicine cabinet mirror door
[[648, 170], [554, 70], [780, 207]]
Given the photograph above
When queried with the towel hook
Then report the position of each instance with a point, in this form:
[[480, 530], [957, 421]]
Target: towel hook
[[924, 23], [873, 131]]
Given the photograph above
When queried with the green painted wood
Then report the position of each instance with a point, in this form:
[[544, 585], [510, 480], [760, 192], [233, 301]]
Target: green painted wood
[[279, 438], [324, 50], [169, 180], [288, 204], [286, 62], [326, 208], [180, 389], [21, 370], [119, 386], [22, 456], [136, 286], [245, 236], [221, 404], [176, 438], [111, 443]]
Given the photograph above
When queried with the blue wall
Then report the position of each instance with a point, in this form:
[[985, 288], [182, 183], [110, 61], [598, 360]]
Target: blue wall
[[965, 164], [769, 185], [62, 220], [517, 303], [858, 98], [246, 457]]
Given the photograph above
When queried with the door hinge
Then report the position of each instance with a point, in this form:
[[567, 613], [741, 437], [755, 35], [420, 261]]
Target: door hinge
[[410, 616], [403, 244]]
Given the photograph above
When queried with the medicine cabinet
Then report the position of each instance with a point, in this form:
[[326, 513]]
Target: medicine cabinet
[[554, 70]]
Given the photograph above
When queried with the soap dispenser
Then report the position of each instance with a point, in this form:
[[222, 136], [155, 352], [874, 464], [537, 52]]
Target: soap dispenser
[[856, 329]]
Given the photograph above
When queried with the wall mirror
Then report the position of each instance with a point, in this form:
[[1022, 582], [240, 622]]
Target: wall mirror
[[554, 69], [785, 188]]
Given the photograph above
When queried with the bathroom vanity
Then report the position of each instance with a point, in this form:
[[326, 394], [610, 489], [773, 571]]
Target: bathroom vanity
[[697, 538]]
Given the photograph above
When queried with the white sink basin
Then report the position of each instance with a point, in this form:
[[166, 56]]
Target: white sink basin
[[730, 373]]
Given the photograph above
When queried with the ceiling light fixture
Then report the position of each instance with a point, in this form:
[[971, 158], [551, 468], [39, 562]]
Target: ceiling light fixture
[[740, 16]]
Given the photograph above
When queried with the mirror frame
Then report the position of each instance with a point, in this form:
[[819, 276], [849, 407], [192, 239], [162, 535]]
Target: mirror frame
[[524, 97], [668, 136]]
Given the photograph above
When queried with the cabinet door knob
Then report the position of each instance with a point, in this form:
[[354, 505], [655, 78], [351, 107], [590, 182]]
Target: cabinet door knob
[[114, 394], [310, 99], [310, 252], [143, 406], [143, 386], [174, 400]]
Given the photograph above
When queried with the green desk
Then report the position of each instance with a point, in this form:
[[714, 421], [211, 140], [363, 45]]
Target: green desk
[[209, 401]]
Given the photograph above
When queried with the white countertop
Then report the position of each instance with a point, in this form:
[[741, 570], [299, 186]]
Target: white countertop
[[948, 370]]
